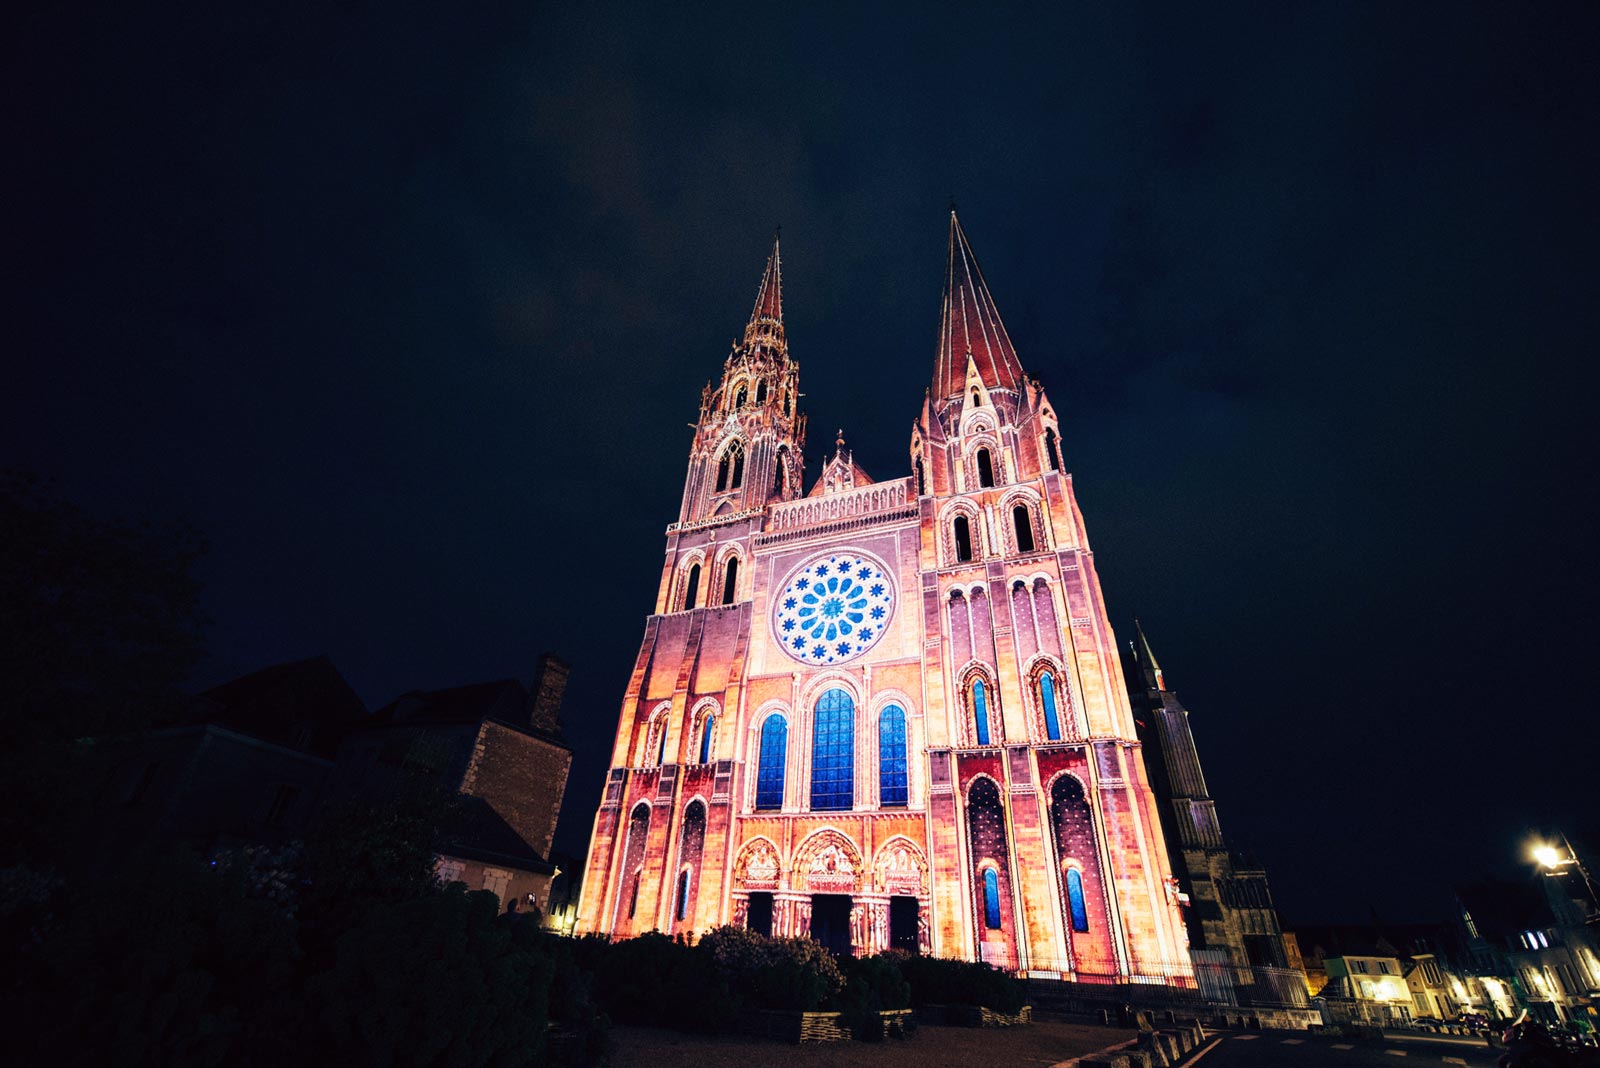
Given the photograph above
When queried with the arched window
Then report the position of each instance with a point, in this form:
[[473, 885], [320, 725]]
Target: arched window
[[730, 584], [1050, 449], [892, 756], [761, 393], [705, 738], [991, 899], [661, 745], [922, 480], [963, 532], [833, 752], [1047, 700], [683, 894], [691, 595], [985, 468], [777, 470], [774, 751], [1080, 914], [1024, 525], [730, 469], [977, 399], [741, 397], [980, 711]]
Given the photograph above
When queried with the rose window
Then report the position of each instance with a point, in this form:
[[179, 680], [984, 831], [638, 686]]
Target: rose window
[[834, 608]]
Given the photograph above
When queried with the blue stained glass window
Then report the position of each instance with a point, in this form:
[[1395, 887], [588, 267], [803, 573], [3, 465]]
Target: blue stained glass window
[[683, 893], [1047, 697], [991, 899], [833, 752], [1080, 914], [769, 776], [892, 756], [980, 711], [705, 740]]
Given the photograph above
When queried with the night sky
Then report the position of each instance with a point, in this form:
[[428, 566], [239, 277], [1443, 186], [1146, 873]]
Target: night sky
[[407, 312]]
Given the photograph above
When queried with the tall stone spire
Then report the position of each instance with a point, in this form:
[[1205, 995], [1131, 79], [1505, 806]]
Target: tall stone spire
[[970, 331], [1146, 659], [766, 319]]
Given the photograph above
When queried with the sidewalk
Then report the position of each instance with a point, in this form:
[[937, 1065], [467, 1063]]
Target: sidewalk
[[1035, 1045]]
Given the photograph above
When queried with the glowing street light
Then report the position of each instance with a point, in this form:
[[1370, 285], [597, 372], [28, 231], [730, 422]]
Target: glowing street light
[[1554, 860]]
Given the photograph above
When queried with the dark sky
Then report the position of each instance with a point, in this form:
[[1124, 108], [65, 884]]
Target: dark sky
[[407, 312]]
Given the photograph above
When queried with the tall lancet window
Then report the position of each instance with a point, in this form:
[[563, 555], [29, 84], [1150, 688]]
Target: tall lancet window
[[661, 746], [741, 398], [705, 738], [833, 752], [922, 480], [769, 773], [1047, 700], [1050, 449], [1024, 526], [963, 533], [1075, 903], [691, 594], [730, 469], [980, 711], [730, 584], [892, 756], [991, 899], [985, 468]]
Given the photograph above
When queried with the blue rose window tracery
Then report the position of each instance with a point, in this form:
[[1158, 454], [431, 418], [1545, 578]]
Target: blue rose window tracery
[[834, 608]]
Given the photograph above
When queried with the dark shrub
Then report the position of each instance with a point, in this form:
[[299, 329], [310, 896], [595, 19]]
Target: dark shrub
[[776, 973], [659, 982], [936, 981]]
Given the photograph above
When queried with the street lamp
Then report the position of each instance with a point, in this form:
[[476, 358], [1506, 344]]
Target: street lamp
[[1554, 860]]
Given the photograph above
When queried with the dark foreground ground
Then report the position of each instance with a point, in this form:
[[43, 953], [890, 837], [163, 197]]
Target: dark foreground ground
[[1281, 1048], [1034, 1046]]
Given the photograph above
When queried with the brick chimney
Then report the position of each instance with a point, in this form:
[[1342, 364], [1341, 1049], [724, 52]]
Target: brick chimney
[[549, 686]]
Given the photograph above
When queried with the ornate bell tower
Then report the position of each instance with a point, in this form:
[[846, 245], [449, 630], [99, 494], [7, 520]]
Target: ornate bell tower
[[748, 443]]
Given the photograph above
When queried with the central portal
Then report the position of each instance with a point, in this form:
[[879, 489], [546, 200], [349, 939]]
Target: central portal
[[830, 922]]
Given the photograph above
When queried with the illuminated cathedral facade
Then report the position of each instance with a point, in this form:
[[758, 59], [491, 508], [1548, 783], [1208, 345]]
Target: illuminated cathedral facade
[[886, 713]]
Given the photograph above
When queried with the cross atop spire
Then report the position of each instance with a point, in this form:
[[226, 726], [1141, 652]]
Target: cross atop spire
[[970, 327], [766, 320]]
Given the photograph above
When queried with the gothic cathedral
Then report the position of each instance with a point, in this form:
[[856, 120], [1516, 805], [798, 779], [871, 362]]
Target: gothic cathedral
[[886, 714]]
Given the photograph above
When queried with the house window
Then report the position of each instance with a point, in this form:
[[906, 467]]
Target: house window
[[980, 711], [282, 801], [683, 894], [892, 756], [705, 739], [963, 531], [730, 583], [833, 752], [985, 468], [1080, 914], [1050, 449], [774, 750], [1020, 520], [991, 899], [1047, 700], [691, 594]]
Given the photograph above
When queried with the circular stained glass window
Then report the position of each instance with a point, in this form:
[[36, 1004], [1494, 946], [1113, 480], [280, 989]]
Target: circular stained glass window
[[834, 608]]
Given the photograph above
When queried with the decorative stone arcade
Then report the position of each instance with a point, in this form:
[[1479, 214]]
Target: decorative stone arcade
[[876, 909]]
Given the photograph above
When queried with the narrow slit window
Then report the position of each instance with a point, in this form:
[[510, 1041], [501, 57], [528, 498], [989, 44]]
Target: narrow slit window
[[683, 894], [991, 899], [730, 584], [691, 595], [1024, 524], [633, 898], [1080, 913], [1050, 449], [705, 739], [980, 711], [661, 744], [963, 531], [985, 468], [922, 480], [736, 476], [1047, 698], [977, 399]]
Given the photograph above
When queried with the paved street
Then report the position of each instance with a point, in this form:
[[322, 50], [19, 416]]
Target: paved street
[[1266, 1050]]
